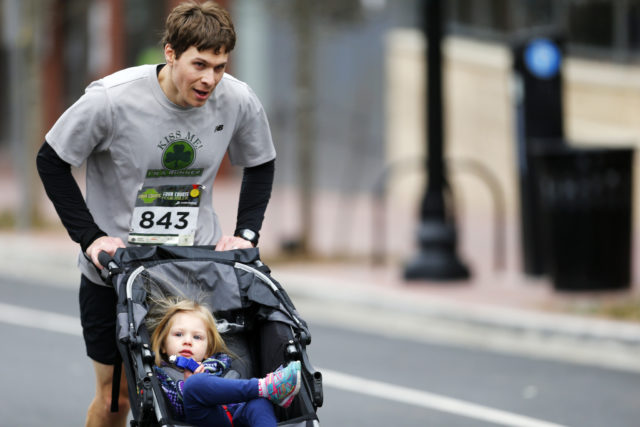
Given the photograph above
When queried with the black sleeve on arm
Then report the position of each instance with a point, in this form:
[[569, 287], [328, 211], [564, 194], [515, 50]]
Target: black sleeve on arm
[[255, 193], [64, 193]]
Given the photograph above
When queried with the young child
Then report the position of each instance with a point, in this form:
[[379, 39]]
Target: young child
[[205, 397]]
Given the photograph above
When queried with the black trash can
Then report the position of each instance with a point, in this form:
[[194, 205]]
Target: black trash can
[[586, 211]]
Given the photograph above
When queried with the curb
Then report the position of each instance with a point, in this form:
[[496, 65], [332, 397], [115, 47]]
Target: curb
[[405, 302]]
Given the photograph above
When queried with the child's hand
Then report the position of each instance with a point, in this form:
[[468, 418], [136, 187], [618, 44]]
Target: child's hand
[[190, 366], [188, 373]]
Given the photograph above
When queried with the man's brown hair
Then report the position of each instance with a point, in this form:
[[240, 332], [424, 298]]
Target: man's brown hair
[[203, 25]]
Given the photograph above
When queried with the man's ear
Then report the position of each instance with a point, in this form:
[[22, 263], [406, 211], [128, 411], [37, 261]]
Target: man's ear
[[169, 54]]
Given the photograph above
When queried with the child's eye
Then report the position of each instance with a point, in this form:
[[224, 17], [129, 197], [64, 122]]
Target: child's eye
[[197, 337], [178, 334]]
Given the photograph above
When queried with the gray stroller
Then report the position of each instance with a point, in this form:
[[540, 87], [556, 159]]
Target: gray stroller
[[255, 316]]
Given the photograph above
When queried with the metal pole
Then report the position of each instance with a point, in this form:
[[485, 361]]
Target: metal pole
[[14, 41], [433, 205], [305, 131], [437, 259]]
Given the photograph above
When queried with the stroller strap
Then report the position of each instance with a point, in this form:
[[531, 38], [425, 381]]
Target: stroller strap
[[229, 415], [115, 383], [173, 373]]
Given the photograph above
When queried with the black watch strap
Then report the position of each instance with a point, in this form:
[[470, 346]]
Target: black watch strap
[[249, 235]]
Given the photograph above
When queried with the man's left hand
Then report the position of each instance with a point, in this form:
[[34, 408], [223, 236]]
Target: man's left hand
[[227, 243]]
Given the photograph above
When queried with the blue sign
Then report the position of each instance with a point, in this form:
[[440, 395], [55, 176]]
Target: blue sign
[[542, 58]]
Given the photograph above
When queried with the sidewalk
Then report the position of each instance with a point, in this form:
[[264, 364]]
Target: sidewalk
[[505, 301], [470, 314]]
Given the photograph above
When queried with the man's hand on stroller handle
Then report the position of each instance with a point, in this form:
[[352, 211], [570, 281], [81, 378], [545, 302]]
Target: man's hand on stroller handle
[[227, 243], [105, 243]]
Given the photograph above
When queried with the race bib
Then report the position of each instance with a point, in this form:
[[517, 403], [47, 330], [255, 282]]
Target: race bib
[[165, 215]]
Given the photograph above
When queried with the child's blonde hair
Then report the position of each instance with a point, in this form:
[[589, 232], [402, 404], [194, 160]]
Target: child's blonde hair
[[173, 305]]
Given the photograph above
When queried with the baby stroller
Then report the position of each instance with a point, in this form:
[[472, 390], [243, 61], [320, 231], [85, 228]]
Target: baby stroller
[[254, 314]]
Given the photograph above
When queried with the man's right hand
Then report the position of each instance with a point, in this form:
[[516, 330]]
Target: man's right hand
[[105, 243]]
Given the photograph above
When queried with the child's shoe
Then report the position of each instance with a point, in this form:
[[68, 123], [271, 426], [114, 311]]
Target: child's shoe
[[282, 386]]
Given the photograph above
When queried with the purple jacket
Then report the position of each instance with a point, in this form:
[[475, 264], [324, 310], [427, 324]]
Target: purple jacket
[[217, 365]]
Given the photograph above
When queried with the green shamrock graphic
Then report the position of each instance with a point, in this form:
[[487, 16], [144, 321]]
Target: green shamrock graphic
[[179, 155]]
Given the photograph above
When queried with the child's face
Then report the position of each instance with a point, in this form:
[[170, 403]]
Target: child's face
[[187, 337]]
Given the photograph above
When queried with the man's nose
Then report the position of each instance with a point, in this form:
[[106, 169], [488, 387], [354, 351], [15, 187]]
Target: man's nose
[[208, 77]]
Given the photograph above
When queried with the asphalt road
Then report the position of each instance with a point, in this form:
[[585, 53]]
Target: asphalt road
[[372, 378], [415, 379]]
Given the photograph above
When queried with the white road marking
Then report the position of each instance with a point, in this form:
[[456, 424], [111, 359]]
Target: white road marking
[[428, 400], [39, 319], [32, 318]]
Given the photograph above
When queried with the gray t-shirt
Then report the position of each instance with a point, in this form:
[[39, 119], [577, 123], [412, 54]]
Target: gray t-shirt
[[138, 145]]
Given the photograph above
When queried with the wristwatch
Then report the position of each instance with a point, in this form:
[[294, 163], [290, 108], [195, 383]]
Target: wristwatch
[[249, 235]]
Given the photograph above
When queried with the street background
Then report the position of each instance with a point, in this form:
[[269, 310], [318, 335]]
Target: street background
[[343, 85]]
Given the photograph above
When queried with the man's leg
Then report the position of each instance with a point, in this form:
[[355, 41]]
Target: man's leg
[[98, 317], [99, 413]]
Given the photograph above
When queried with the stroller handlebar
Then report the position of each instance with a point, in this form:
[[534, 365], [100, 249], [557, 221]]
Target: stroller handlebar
[[110, 266]]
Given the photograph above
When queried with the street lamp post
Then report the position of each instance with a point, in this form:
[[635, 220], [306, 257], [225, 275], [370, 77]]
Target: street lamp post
[[436, 259]]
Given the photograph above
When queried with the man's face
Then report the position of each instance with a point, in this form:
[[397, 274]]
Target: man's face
[[193, 77]]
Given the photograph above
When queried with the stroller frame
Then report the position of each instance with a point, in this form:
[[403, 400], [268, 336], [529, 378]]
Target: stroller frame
[[257, 292]]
